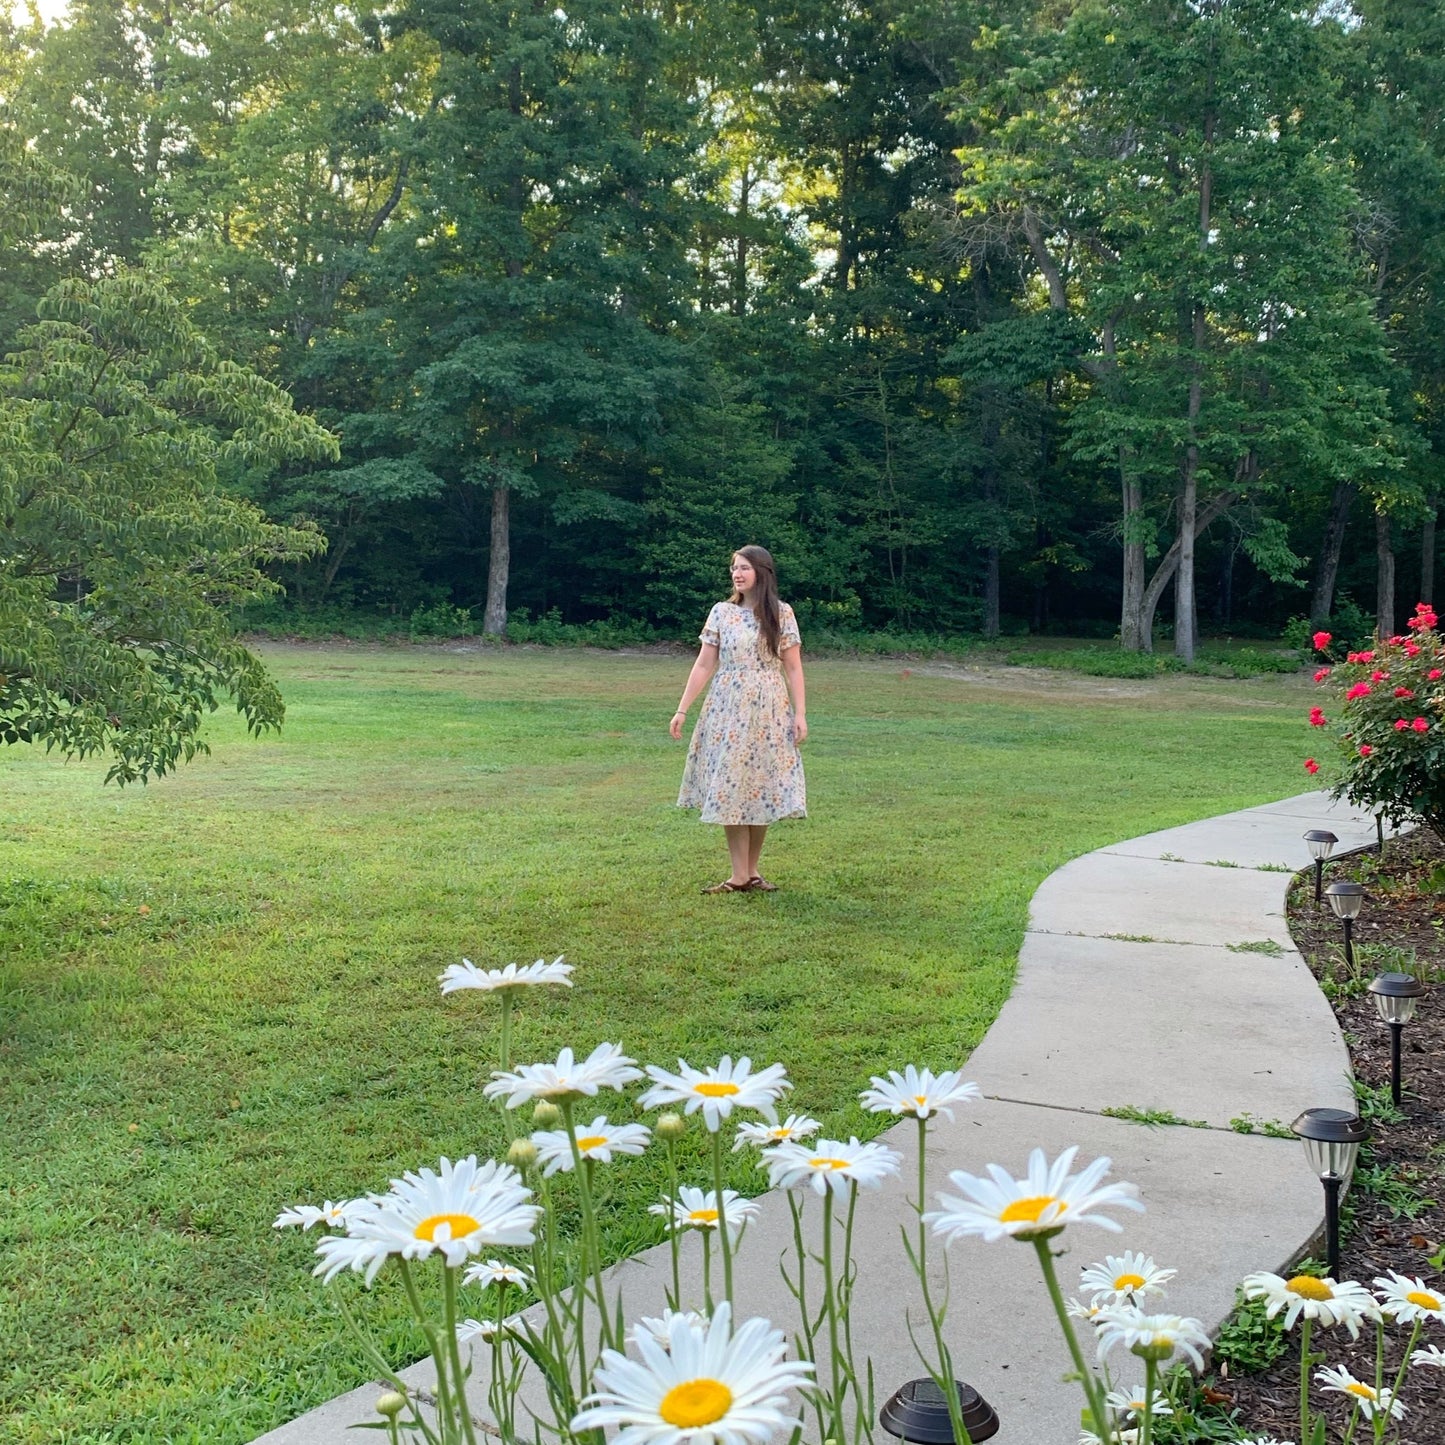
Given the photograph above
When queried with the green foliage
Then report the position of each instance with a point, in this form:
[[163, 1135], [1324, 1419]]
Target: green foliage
[[1248, 1341], [1396, 1186], [441, 619], [122, 555], [1153, 1118], [550, 631], [1267, 946]]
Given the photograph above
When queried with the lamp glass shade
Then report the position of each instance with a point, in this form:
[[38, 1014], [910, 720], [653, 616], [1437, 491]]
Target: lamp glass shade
[[1346, 899], [1396, 996], [1332, 1140], [1321, 843]]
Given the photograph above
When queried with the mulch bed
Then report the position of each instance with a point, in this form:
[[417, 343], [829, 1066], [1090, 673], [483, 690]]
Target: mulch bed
[[1404, 909]]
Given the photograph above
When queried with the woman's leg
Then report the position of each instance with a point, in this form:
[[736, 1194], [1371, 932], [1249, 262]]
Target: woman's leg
[[739, 838], [756, 833]]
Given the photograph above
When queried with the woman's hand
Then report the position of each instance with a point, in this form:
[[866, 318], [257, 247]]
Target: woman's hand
[[800, 729], [675, 726]]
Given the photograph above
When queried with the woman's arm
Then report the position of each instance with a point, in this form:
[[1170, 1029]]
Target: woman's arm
[[792, 660], [697, 681]]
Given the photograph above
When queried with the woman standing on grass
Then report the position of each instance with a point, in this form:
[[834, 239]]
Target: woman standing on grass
[[743, 766]]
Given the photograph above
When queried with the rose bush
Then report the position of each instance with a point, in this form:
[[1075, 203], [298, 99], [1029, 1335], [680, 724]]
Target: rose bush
[[1388, 716]]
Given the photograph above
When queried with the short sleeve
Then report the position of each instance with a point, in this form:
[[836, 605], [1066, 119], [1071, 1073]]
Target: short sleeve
[[711, 634], [788, 629]]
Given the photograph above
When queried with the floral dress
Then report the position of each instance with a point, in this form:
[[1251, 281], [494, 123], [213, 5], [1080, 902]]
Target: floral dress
[[743, 765]]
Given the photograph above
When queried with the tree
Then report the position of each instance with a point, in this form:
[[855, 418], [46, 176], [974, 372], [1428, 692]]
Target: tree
[[120, 553]]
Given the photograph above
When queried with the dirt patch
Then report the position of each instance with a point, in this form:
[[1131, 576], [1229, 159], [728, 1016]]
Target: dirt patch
[[1395, 1215]]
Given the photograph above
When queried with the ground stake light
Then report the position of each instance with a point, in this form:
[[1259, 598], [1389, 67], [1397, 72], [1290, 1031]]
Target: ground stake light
[[1322, 844], [1396, 995], [1347, 899], [918, 1411], [1332, 1140]]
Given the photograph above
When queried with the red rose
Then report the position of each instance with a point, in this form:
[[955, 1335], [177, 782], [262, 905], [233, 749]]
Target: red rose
[[1324, 672], [1435, 674], [1367, 657], [1400, 724], [1403, 692], [1360, 689], [1379, 677], [1365, 750], [1420, 725], [1311, 767], [1322, 641], [1411, 650], [1317, 717], [1396, 641]]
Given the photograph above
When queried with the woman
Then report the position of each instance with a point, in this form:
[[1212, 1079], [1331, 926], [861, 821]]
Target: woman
[[743, 767]]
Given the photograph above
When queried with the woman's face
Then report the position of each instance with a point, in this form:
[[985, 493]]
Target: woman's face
[[744, 574]]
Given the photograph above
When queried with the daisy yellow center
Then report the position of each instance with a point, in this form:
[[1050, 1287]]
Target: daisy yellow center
[[461, 1225], [703, 1216], [695, 1403], [920, 1099], [1306, 1286], [1365, 1392], [715, 1089], [591, 1142], [1129, 1281], [821, 1163], [1027, 1211], [1425, 1301]]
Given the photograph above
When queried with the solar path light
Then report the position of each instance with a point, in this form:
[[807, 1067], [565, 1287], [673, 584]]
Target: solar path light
[[1396, 995], [1322, 844], [1332, 1140], [918, 1411], [1347, 899]]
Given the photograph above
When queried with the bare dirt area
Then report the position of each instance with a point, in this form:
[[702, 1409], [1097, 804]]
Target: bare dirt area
[[1395, 1217]]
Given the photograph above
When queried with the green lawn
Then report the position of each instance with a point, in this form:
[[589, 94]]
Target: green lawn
[[218, 996]]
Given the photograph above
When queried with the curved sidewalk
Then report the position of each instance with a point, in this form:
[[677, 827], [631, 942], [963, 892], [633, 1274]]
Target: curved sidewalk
[[1156, 974]]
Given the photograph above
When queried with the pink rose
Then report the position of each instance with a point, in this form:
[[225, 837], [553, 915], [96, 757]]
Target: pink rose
[[1420, 725], [1321, 641], [1365, 750]]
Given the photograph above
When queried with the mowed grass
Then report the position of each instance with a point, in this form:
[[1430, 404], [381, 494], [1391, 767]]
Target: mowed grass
[[218, 994]]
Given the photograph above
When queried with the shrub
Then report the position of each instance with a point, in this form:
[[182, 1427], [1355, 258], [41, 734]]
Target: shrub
[[441, 619], [1389, 721]]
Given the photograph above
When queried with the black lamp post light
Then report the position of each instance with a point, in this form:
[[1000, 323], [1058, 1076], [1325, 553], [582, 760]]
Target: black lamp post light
[[918, 1411], [1396, 995], [1332, 1140], [1347, 899], [1322, 844]]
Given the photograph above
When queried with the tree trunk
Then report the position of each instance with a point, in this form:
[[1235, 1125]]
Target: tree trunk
[[1427, 554], [499, 564], [991, 619], [1184, 624], [1169, 563], [1322, 603], [1135, 632], [1384, 578]]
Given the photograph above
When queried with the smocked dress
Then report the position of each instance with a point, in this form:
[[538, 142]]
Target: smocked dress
[[743, 765]]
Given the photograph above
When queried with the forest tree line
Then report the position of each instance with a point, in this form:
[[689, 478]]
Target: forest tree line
[[1066, 314]]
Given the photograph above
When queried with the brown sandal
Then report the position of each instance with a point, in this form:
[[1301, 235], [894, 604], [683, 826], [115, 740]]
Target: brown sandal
[[758, 884], [728, 886]]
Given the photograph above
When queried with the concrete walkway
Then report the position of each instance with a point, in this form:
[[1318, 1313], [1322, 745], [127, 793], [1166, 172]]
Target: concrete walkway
[[1156, 974]]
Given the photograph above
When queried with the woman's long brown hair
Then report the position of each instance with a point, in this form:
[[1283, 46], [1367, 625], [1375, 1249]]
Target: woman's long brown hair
[[765, 597]]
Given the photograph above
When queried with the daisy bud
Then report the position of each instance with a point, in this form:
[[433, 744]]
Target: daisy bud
[[522, 1154], [670, 1126], [546, 1115], [391, 1404]]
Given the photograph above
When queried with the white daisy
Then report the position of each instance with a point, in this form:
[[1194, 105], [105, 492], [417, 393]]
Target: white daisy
[[1432, 1357], [1040, 1204], [487, 1331], [764, 1135], [717, 1091], [1151, 1336], [598, 1140], [1135, 1401], [1116, 1437], [1371, 1401], [606, 1067], [693, 1209], [455, 1213], [494, 1271], [457, 976], [704, 1386], [918, 1093], [1408, 1300], [332, 1214], [1126, 1276], [658, 1327], [1321, 1300], [830, 1164], [1078, 1310]]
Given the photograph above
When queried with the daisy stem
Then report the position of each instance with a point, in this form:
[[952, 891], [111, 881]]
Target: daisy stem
[[1350, 1428], [673, 1241], [506, 1029], [1086, 1376], [1304, 1378], [707, 1270], [544, 1259], [943, 1376], [438, 1351], [384, 1370], [496, 1396], [722, 1230], [1405, 1360], [459, 1378], [592, 1245], [1151, 1373], [864, 1406], [830, 1305]]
